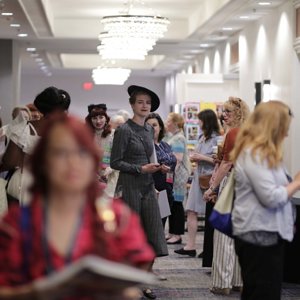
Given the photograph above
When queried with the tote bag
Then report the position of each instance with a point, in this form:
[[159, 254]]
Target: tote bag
[[220, 217]]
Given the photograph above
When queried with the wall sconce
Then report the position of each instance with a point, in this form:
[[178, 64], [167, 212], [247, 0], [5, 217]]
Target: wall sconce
[[266, 90]]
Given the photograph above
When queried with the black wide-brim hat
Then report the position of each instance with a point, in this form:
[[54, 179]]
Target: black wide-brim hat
[[154, 98]]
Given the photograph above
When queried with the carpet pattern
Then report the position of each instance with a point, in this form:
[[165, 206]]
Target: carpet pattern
[[186, 279]]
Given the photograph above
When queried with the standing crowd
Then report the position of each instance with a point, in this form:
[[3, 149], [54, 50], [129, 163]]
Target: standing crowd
[[78, 187]]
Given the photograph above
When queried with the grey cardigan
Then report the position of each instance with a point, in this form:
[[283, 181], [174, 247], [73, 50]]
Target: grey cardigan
[[262, 202]]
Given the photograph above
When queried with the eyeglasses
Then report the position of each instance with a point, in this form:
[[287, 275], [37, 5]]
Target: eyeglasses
[[63, 153], [227, 111]]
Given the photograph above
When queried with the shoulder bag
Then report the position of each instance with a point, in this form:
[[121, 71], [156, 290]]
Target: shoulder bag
[[220, 217]]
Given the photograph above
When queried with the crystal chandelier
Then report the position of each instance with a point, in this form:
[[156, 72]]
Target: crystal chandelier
[[132, 34], [107, 75]]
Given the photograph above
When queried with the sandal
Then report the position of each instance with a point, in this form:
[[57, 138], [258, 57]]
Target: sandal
[[149, 294]]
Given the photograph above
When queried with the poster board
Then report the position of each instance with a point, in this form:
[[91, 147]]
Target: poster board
[[190, 112]]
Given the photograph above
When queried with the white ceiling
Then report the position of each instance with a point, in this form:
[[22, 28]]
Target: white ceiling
[[65, 32]]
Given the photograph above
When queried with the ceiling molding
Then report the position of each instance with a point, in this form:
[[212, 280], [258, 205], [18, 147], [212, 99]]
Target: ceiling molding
[[35, 12]]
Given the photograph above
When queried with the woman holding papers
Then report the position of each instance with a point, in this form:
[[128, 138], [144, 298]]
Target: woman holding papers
[[163, 180]]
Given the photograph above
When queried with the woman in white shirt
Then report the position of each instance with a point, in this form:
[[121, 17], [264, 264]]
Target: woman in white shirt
[[263, 214]]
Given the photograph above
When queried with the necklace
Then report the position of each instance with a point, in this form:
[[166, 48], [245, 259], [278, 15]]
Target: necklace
[[45, 243]]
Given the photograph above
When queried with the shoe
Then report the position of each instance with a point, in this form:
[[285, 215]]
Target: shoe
[[159, 276], [182, 251], [220, 291], [179, 241], [149, 294], [168, 237]]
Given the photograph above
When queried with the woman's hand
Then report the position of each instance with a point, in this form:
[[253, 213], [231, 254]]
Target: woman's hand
[[207, 194], [151, 168], [195, 157], [297, 178], [216, 159], [165, 168]]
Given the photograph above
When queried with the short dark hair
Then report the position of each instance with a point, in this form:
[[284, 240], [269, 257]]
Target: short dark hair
[[52, 99], [210, 122], [160, 122]]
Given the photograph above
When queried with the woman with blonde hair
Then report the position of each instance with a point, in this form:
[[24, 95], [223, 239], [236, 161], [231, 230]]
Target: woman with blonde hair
[[225, 268], [263, 215], [177, 141]]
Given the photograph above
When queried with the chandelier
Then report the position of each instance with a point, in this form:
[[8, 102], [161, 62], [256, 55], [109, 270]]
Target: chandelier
[[107, 75], [130, 35]]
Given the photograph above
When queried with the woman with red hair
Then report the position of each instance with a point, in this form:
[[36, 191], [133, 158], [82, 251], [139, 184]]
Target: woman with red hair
[[67, 217]]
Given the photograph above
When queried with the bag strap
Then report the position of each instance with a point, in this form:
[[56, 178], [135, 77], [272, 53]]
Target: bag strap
[[32, 129]]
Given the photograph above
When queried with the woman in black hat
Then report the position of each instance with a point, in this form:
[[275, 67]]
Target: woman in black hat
[[132, 153]]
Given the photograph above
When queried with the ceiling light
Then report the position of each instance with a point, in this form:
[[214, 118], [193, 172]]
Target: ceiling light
[[130, 31], [34, 54], [264, 3], [22, 34], [7, 14], [227, 28], [115, 76], [244, 17], [30, 49], [15, 25], [38, 59], [204, 45]]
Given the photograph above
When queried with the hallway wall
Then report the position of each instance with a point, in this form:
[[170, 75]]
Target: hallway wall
[[114, 96]]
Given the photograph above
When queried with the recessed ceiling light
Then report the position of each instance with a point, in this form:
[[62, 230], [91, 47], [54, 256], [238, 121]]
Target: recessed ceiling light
[[204, 45], [188, 56], [6, 14], [227, 28], [244, 17], [34, 54], [264, 3], [38, 59], [15, 25], [22, 34], [30, 49]]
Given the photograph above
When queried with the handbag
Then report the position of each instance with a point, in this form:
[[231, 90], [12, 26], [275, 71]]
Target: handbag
[[3, 196], [14, 184], [160, 180], [220, 217], [204, 180]]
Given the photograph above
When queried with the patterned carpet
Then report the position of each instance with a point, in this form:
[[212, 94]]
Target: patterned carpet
[[186, 279]]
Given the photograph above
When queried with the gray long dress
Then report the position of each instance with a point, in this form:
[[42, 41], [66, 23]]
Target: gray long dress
[[132, 148]]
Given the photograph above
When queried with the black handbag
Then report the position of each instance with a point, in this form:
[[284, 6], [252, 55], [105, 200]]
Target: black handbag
[[160, 182]]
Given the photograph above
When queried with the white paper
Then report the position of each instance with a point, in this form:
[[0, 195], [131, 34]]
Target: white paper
[[163, 203], [153, 157]]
